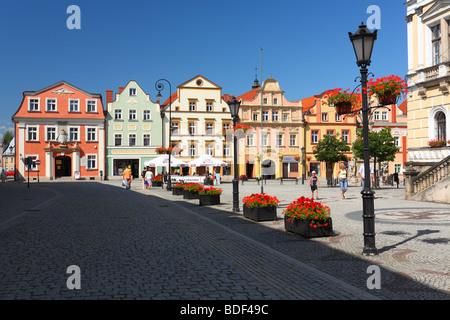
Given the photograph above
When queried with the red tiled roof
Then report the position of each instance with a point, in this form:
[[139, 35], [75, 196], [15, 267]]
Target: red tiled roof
[[404, 106], [174, 97], [308, 103], [249, 95]]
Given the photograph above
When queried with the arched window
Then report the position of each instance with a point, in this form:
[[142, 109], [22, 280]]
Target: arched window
[[440, 125]]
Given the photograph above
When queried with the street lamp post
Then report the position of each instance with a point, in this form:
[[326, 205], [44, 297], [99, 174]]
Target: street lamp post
[[363, 41], [234, 110], [160, 86], [303, 149]]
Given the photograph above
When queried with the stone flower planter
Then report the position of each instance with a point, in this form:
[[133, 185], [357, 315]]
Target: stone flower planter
[[207, 200], [303, 228], [260, 213]]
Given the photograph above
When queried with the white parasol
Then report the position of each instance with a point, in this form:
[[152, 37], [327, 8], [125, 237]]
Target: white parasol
[[207, 161], [163, 161]]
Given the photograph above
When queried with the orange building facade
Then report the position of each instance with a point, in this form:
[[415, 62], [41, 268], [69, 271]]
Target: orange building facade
[[61, 128]]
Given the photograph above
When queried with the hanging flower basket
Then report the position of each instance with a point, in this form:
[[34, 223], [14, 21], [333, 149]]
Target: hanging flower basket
[[343, 108], [344, 101], [387, 89]]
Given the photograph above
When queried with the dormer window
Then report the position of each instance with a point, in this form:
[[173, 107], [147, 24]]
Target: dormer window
[[132, 91]]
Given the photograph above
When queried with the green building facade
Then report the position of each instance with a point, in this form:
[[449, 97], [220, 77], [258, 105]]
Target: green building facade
[[133, 130]]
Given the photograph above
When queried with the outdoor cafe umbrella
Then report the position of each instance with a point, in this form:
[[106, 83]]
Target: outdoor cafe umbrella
[[206, 161], [163, 161]]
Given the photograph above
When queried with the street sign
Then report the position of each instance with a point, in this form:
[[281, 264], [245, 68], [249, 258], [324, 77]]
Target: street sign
[[38, 162]]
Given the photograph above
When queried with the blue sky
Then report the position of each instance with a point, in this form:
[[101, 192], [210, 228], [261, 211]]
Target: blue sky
[[305, 45]]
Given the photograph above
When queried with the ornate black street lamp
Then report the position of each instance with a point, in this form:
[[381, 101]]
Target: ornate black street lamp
[[363, 41], [160, 86], [234, 110]]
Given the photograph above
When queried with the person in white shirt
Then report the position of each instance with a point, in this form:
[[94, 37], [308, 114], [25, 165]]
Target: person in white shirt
[[361, 174], [149, 178]]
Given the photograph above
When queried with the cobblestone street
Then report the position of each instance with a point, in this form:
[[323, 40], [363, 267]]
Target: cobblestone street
[[149, 244]]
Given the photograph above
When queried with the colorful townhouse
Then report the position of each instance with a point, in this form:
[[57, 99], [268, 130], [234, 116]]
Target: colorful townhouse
[[134, 130], [62, 127], [273, 147], [321, 119], [199, 114], [8, 159]]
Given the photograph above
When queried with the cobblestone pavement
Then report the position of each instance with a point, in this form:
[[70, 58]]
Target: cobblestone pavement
[[149, 244]]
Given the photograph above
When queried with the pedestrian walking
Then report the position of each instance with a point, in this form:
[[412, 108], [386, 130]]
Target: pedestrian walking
[[144, 182], [342, 176], [149, 178], [3, 174], [362, 175], [127, 177], [313, 183]]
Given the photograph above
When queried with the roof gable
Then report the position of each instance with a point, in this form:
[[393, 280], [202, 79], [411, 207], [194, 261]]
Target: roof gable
[[199, 82]]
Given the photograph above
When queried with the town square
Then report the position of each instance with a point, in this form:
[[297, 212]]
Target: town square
[[226, 171]]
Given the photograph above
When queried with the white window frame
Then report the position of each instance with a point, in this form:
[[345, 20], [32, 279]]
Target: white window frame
[[87, 106], [384, 116], [38, 104], [279, 140], [133, 92], [192, 106], [115, 137], [398, 142], [118, 115], [177, 126], [226, 150], [275, 101], [95, 133], [129, 139], [376, 115], [292, 140], [78, 133], [265, 140], [192, 150], [28, 133], [46, 104], [88, 161], [250, 139], [209, 106], [146, 136], [209, 131], [255, 117], [146, 115], [265, 116], [130, 113], [46, 133], [315, 136], [324, 116], [191, 128], [78, 105], [285, 117], [346, 137], [275, 116], [338, 117], [210, 149]]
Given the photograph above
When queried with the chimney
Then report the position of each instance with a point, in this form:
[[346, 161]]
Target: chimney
[[109, 96], [121, 89]]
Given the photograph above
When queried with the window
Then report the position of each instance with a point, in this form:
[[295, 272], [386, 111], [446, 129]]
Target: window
[[132, 91], [132, 115], [265, 100], [255, 117], [436, 43], [73, 134], [33, 105], [91, 105], [192, 105], [146, 139], [285, 118], [226, 150], [132, 139], [32, 134], [398, 167], [91, 134], [209, 106], [192, 150], [265, 116], [91, 161], [250, 140], [314, 136], [51, 105], [117, 140], [279, 140], [338, 117], [376, 115], [74, 106], [275, 100], [345, 136], [147, 115], [191, 128], [51, 134], [292, 140], [226, 126], [210, 149], [209, 128], [264, 139], [275, 116], [175, 127], [440, 125], [397, 142], [330, 132], [324, 116], [118, 114], [384, 115]]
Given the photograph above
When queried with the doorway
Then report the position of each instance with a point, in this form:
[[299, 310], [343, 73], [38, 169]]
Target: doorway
[[63, 166]]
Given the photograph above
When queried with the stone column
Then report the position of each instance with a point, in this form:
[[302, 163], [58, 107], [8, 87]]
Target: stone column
[[409, 173], [49, 165]]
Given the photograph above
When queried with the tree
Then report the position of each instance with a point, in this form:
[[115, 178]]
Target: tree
[[331, 150], [7, 137], [382, 146]]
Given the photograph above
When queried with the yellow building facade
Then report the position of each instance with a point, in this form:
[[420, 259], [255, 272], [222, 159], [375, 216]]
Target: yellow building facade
[[428, 80]]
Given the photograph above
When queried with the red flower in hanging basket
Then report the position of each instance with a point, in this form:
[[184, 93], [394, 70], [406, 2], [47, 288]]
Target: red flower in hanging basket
[[387, 89], [344, 100]]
